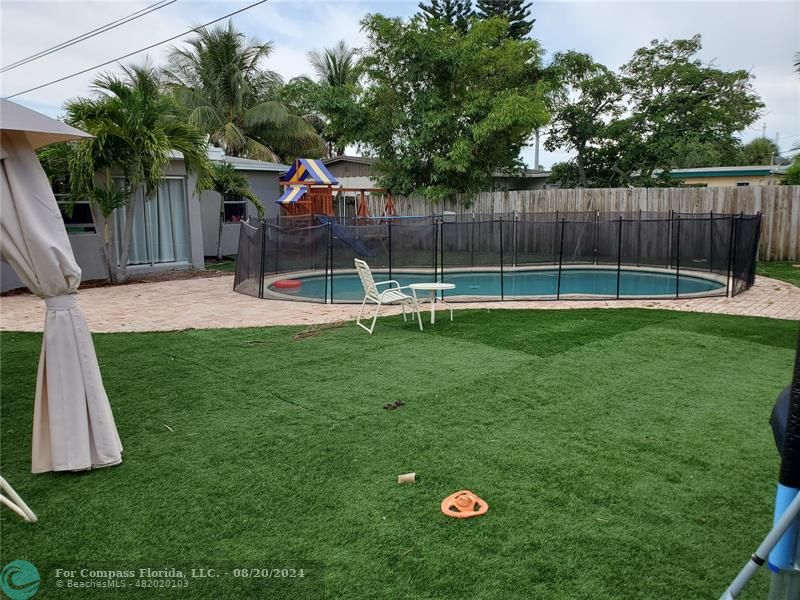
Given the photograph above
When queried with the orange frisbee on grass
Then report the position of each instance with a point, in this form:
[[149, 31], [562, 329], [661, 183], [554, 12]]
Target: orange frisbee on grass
[[463, 505]]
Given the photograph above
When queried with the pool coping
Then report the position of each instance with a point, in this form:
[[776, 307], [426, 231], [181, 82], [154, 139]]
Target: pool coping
[[269, 294]]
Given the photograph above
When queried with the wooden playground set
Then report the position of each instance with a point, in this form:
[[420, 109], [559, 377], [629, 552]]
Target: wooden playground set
[[310, 190]]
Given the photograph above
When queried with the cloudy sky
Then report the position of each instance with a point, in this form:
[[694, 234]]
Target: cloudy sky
[[759, 36]]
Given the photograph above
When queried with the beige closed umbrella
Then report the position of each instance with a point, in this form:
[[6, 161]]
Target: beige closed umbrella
[[73, 426]]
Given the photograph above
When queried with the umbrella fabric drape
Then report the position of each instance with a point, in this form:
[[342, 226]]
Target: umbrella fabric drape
[[73, 427]]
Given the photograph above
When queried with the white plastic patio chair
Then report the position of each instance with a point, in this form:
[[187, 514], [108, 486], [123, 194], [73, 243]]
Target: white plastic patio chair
[[392, 295], [14, 502]]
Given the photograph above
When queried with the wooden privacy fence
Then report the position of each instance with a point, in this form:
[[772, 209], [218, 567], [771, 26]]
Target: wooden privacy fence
[[778, 204]]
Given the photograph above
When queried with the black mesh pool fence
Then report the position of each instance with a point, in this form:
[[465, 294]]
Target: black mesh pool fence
[[587, 255]]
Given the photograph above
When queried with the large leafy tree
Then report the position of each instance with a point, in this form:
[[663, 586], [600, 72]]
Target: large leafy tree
[[588, 98], [456, 13], [662, 106], [442, 111], [136, 128], [228, 93], [516, 12]]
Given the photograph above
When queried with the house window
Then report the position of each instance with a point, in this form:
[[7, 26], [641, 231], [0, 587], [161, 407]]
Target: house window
[[160, 224], [234, 208], [742, 184], [77, 214]]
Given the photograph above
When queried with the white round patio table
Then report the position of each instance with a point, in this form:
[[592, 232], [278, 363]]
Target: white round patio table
[[432, 288]]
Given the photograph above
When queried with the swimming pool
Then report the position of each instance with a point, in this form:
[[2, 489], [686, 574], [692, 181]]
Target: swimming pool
[[517, 283]]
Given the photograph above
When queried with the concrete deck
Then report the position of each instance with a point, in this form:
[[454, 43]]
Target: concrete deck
[[209, 303]]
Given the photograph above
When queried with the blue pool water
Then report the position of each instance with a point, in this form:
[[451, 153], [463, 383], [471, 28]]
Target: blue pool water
[[600, 282]]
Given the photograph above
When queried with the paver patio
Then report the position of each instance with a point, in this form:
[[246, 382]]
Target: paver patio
[[209, 303]]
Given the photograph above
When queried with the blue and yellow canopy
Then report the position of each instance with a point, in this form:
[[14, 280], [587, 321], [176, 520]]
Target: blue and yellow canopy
[[310, 171], [292, 194]]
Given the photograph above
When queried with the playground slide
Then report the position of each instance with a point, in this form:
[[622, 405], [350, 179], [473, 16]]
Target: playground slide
[[343, 236]]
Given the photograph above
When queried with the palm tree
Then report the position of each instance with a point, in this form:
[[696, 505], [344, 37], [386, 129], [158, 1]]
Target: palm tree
[[230, 96], [336, 66], [136, 127], [334, 92]]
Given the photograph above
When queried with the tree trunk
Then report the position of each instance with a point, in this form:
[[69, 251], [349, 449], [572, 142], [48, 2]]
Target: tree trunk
[[581, 169], [111, 271], [127, 236]]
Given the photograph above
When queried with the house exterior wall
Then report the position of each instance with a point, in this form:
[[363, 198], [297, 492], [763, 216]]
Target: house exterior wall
[[732, 181], [503, 184], [264, 185], [347, 168], [360, 182], [88, 249]]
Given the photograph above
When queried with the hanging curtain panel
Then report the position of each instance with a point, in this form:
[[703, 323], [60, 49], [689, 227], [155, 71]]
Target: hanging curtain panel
[[170, 233], [160, 228]]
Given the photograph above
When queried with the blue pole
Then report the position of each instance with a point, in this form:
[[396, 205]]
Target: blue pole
[[783, 554]]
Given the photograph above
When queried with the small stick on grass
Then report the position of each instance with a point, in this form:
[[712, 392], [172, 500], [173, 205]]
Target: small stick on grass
[[315, 330]]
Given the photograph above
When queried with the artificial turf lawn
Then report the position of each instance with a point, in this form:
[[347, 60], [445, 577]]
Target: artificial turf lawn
[[787, 270], [624, 454]]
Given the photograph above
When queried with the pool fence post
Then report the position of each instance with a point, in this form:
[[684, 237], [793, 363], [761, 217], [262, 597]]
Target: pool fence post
[[754, 252], [711, 242], [328, 248], [389, 227], [734, 241], [678, 257], [554, 241], [501, 259], [330, 241], [619, 255], [514, 238], [639, 241], [278, 230], [560, 258], [438, 250], [472, 243], [669, 240], [596, 233], [263, 257]]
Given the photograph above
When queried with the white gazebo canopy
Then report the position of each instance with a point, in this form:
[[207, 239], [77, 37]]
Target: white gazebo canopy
[[73, 427], [40, 130]]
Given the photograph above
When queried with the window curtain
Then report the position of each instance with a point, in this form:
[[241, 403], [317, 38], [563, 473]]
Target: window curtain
[[168, 214], [160, 227]]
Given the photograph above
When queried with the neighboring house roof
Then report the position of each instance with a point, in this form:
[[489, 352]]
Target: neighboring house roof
[[751, 170], [526, 174], [361, 160], [248, 164], [365, 160], [309, 170], [238, 163]]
